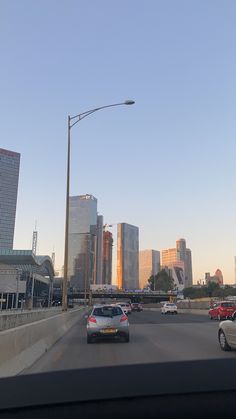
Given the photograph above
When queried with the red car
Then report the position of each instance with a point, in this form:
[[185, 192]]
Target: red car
[[222, 310]]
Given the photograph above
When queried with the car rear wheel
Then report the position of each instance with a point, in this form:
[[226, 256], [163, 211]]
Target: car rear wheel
[[223, 341]]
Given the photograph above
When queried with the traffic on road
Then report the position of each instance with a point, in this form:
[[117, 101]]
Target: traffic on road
[[152, 336]]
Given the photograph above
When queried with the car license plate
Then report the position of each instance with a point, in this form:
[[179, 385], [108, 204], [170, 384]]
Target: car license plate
[[108, 331]]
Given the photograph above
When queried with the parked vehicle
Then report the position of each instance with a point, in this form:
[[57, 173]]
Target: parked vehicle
[[222, 310], [107, 321]]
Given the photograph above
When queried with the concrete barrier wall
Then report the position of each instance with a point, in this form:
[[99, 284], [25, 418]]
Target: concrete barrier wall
[[13, 319], [194, 305], [200, 305], [20, 347], [180, 310]]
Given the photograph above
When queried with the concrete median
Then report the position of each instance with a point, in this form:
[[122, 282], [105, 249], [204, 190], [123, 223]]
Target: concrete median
[[183, 310], [20, 347]]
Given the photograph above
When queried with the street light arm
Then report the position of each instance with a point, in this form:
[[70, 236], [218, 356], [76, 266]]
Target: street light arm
[[83, 115]]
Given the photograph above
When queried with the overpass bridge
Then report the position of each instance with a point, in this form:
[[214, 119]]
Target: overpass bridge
[[143, 297]]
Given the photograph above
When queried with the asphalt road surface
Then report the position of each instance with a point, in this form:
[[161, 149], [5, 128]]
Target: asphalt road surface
[[153, 338]]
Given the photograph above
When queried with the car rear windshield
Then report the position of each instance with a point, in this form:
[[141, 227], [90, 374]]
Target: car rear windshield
[[228, 305], [107, 311]]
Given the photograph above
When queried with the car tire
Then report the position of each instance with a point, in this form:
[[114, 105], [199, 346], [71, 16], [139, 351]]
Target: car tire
[[89, 339], [223, 341], [176, 312], [126, 339]]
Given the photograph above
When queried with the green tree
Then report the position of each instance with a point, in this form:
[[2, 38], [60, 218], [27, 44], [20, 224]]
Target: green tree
[[161, 282], [213, 289]]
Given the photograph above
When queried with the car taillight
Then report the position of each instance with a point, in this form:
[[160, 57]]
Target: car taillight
[[92, 319], [123, 318]]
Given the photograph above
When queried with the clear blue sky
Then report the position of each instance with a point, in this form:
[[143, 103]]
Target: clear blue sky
[[167, 164]]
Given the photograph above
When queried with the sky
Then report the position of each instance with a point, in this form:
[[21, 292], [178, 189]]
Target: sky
[[165, 164]]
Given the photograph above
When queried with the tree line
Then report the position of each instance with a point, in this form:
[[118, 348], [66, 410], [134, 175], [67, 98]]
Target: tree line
[[164, 282]]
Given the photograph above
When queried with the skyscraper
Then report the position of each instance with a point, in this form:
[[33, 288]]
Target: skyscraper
[[99, 250], [127, 256], [172, 257], [181, 248], [107, 257], [9, 175], [149, 264], [82, 241], [188, 268], [169, 256]]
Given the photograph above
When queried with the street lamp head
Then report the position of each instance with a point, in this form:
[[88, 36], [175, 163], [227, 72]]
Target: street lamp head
[[129, 102]]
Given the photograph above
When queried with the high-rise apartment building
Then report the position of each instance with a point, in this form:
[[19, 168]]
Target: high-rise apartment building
[[9, 175], [107, 257], [188, 268], [82, 241], [172, 257], [99, 250], [149, 264], [127, 256], [169, 256]]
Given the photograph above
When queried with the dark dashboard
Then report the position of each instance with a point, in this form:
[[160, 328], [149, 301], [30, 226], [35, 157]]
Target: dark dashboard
[[191, 389]]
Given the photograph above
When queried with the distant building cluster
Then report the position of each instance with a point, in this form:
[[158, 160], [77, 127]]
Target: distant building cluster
[[90, 250], [90, 246], [217, 278]]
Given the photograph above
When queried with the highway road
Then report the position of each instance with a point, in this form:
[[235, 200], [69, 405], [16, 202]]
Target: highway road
[[153, 338]]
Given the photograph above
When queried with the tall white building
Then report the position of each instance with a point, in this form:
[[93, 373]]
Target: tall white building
[[149, 264], [9, 175]]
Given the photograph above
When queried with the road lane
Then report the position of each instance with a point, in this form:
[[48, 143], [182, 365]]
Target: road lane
[[154, 338]]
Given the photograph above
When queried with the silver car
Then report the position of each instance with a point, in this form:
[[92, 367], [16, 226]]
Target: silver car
[[107, 321], [227, 334]]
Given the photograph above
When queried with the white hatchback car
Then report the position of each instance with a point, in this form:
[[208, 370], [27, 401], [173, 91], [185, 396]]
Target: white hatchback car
[[227, 334], [169, 308], [126, 307]]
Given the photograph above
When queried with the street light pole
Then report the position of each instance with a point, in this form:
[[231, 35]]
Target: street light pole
[[73, 120], [65, 281]]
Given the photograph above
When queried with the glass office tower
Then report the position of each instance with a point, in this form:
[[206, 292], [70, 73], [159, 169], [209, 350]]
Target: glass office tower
[[107, 257], [127, 256], [82, 241], [149, 264], [9, 175]]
